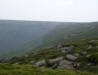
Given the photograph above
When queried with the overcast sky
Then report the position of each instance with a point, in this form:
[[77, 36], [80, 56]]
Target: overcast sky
[[49, 10]]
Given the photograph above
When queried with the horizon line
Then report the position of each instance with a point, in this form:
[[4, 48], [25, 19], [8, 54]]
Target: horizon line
[[48, 21]]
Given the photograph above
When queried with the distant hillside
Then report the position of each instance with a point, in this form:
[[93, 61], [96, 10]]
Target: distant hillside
[[71, 31], [66, 32], [18, 37]]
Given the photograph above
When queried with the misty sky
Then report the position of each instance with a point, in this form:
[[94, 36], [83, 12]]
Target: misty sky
[[49, 10]]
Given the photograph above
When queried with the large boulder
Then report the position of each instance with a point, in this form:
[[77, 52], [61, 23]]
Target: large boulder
[[71, 57]]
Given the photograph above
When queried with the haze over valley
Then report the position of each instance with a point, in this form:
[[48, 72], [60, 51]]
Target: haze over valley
[[48, 37]]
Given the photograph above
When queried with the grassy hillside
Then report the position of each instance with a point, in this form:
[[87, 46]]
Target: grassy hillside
[[23, 65], [8, 69], [64, 32], [70, 32]]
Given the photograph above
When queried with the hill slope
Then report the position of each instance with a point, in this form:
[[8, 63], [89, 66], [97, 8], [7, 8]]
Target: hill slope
[[65, 32], [56, 60], [71, 31], [30, 35]]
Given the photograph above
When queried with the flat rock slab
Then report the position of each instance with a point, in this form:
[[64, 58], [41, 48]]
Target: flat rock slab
[[65, 62], [40, 63], [71, 57], [56, 60]]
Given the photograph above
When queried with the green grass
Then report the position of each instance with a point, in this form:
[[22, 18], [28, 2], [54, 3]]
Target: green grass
[[13, 69], [49, 53]]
